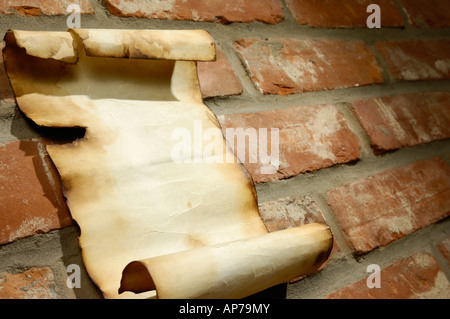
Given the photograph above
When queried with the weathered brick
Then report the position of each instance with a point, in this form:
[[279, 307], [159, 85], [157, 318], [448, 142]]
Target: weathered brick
[[310, 138], [427, 13], [416, 277], [444, 248], [218, 78], [335, 13], [31, 200], [382, 208], [43, 7], [290, 212], [404, 120], [268, 11], [34, 283], [286, 66], [417, 59]]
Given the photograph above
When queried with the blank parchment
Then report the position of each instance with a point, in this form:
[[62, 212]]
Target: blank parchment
[[151, 226]]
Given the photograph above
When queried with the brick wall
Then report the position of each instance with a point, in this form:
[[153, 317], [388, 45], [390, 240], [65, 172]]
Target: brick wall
[[363, 116]]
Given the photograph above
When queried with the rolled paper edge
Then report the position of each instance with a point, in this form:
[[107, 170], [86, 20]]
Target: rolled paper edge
[[235, 269]]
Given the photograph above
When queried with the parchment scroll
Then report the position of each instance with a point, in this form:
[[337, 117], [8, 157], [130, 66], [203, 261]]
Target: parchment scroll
[[151, 226]]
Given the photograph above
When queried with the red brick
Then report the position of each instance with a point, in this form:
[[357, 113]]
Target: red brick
[[444, 248], [286, 66], [382, 208], [335, 14], [290, 212], [43, 7], [35, 283], [30, 202], [427, 13], [417, 277], [5, 87], [268, 11], [404, 120], [310, 138], [218, 78], [417, 59]]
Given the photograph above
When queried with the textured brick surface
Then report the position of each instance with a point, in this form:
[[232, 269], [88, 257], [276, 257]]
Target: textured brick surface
[[404, 120], [285, 66], [30, 202], [417, 59], [336, 13], [218, 78], [268, 11], [417, 277], [290, 212], [43, 7], [389, 205], [34, 283], [310, 138], [444, 248], [427, 13]]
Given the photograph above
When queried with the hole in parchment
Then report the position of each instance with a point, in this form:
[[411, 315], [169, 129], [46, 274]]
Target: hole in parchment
[[136, 278]]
